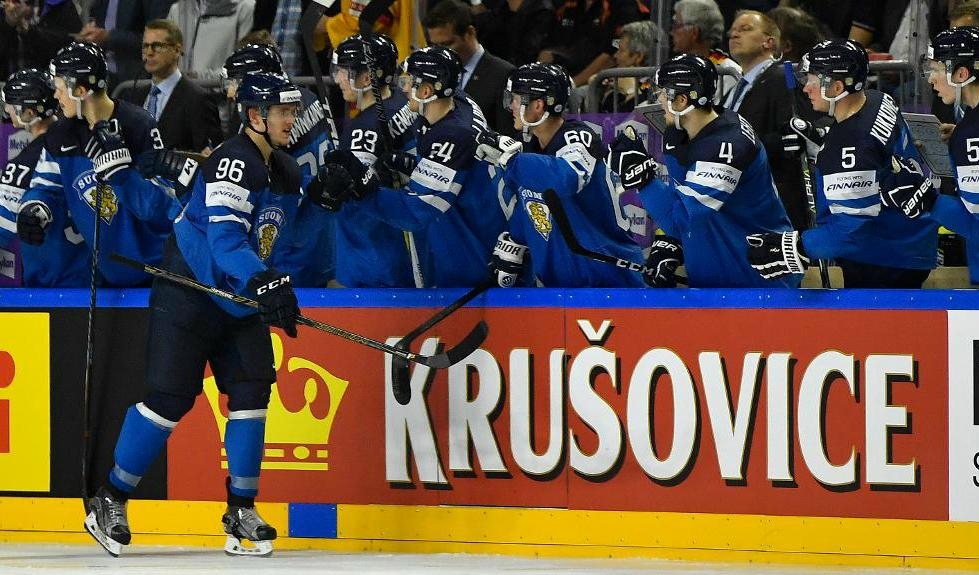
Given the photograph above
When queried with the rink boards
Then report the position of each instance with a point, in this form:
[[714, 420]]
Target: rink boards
[[776, 426]]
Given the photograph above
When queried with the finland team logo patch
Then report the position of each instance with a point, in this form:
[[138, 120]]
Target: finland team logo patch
[[267, 231]]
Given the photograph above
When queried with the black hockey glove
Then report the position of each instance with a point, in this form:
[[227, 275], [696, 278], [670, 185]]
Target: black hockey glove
[[907, 189], [627, 157], [332, 186], [496, 148], [32, 219], [171, 165], [797, 132], [277, 303], [364, 178], [665, 256], [400, 164], [108, 151], [507, 261], [777, 254]]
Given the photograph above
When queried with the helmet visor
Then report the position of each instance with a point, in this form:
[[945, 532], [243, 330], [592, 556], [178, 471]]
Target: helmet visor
[[929, 66]]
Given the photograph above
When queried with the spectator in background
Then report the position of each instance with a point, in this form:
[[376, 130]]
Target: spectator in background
[[834, 15], [211, 30], [484, 76], [398, 19], [118, 29], [698, 28], [280, 20], [31, 33], [516, 29], [964, 13], [800, 31], [634, 47], [762, 98], [187, 118], [581, 42]]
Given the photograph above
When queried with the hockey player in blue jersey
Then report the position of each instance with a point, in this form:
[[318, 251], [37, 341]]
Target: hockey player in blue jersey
[[243, 196], [950, 66], [566, 156], [59, 258], [449, 204], [720, 187], [92, 151], [371, 252], [874, 244]]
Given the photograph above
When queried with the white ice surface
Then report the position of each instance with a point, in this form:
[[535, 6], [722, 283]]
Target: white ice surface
[[22, 559]]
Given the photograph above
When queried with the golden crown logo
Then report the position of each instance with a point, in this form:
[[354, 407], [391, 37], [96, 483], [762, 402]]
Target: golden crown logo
[[303, 406]]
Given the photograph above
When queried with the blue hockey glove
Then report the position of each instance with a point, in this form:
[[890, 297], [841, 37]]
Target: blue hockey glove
[[777, 254], [277, 303], [171, 165], [32, 221], [507, 261], [107, 150], [665, 256], [496, 148], [907, 189], [627, 157]]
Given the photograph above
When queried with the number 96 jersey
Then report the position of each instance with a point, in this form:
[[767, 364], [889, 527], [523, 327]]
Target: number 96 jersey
[[239, 208]]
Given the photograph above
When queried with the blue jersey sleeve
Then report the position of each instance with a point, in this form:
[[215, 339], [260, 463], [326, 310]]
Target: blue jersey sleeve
[[14, 181], [229, 206]]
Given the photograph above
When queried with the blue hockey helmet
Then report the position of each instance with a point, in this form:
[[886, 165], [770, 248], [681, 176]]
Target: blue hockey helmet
[[843, 60], [81, 64], [537, 81], [252, 58], [352, 54], [690, 75], [435, 65], [30, 89], [263, 90]]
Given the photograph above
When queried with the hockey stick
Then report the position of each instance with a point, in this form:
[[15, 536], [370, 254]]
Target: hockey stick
[[90, 344], [400, 377], [564, 225], [307, 26], [806, 171], [438, 361]]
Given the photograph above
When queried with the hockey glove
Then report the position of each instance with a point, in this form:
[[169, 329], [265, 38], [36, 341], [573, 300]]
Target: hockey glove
[[364, 178], [496, 149], [797, 133], [777, 254], [32, 219], [277, 303], [907, 189], [400, 164], [170, 165], [627, 157], [107, 151], [332, 186], [507, 261], [665, 256]]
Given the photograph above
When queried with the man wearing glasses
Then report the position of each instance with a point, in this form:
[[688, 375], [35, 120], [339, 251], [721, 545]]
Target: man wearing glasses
[[187, 118]]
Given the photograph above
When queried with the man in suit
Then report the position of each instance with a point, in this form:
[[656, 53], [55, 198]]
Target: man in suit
[[762, 98], [484, 76], [188, 119], [117, 28]]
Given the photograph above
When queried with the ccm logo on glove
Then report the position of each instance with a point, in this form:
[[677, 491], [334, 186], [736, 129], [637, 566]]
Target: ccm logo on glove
[[273, 284]]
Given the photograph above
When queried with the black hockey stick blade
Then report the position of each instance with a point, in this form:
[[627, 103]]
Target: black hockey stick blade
[[437, 361], [400, 374], [564, 225]]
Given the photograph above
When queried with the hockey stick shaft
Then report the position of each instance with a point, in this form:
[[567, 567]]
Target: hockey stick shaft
[[567, 230], [308, 23], [437, 361], [90, 343], [804, 166]]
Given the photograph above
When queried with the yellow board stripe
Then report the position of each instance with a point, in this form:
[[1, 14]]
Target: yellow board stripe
[[538, 532]]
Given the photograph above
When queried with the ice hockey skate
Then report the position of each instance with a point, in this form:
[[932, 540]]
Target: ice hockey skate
[[245, 524], [107, 522]]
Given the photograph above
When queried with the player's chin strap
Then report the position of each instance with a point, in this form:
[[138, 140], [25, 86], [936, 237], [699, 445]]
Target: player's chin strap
[[832, 101], [677, 114], [421, 101], [958, 89], [70, 83], [527, 124]]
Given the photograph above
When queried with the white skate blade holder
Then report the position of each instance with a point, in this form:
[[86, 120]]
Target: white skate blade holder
[[112, 546], [246, 548]]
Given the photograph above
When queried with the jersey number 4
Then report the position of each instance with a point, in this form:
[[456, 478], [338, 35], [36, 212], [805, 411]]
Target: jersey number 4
[[727, 152]]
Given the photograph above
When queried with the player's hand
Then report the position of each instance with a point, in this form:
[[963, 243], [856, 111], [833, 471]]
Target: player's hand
[[627, 157], [364, 178], [277, 303], [400, 163], [796, 130], [777, 254], [507, 261], [496, 149], [945, 131], [107, 150], [32, 220], [170, 165], [665, 256], [907, 189], [332, 187]]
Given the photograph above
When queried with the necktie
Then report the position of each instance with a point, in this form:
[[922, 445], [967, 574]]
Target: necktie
[[151, 105], [738, 90]]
